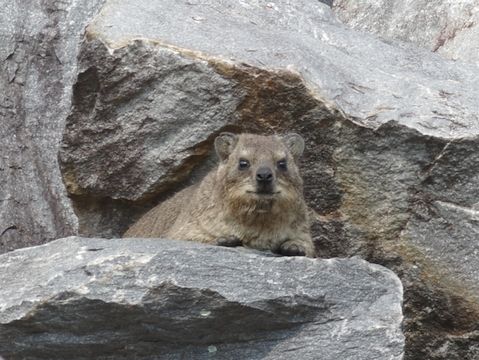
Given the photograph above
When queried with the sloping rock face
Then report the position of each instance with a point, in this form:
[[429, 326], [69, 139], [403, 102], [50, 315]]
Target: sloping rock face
[[448, 27], [78, 298], [38, 48]]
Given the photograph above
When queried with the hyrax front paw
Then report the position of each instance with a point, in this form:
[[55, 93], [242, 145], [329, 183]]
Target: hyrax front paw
[[229, 241], [292, 248]]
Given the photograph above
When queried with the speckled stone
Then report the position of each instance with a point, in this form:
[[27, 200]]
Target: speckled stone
[[447, 27], [39, 44], [79, 298]]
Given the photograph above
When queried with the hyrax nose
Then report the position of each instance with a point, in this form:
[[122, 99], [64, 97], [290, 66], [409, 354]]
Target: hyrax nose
[[264, 175]]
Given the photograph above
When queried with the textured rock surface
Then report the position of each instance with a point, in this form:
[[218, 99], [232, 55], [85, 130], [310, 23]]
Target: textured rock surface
[[448, 27], [138, 114], [82, 298], [407, 85], [38, 47]]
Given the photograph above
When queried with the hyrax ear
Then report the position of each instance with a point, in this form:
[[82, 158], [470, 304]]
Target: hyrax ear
[[224, 144], [295, 144]]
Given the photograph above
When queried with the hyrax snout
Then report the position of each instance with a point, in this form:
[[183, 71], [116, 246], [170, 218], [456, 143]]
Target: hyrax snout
[[253, 198]]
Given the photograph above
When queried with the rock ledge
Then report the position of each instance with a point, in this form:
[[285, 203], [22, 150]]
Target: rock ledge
[[80, 298]]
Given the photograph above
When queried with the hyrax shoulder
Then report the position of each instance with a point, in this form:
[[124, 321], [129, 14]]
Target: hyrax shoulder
[[253, 198]]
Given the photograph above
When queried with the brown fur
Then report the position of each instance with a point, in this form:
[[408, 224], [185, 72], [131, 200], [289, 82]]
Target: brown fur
[[226, 202]]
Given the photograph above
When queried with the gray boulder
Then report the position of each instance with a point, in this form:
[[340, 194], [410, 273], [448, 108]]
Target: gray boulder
[[448, 27], [79, 298], [39, 43]]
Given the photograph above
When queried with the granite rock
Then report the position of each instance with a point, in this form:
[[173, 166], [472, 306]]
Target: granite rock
[[79, 298], [448, 27], [39, 42]]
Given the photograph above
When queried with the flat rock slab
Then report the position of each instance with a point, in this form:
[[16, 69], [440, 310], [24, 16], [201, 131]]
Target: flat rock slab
[[80, 298], [448, 27], [373, 82]]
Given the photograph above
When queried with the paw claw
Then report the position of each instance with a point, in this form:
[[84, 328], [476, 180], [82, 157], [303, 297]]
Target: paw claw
[[291, 249], [228, 241]]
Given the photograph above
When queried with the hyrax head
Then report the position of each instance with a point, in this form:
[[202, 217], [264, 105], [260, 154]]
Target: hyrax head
[[258, 168]]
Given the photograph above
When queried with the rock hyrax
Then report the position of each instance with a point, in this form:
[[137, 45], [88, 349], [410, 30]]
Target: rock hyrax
[[253, 198]]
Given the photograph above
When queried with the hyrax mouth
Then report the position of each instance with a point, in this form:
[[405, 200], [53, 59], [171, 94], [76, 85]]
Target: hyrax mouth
[[263, 192]]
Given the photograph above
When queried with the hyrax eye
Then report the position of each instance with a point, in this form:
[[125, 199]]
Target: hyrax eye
[[282, 164], [243, 164]]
